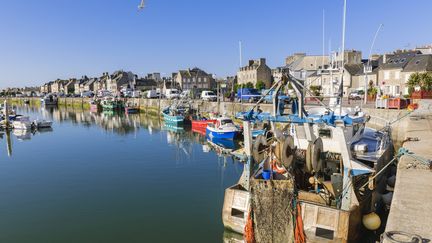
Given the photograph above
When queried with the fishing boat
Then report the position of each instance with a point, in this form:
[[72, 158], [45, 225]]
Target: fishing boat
[[49, 100], [39, 123], [111, 103], [223, 128], [178, 113], [333, 160], [22, 123], [202, 123]]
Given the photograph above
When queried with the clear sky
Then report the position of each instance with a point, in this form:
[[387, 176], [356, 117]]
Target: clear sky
[[41, 40]]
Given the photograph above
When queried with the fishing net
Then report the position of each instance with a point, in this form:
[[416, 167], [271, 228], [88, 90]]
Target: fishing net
[[272, 210]]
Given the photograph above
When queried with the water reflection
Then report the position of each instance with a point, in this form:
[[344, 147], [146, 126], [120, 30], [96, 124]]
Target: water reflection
[[120, 169]]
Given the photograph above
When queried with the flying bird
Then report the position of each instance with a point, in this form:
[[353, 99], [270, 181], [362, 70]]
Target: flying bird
[[142, 5]]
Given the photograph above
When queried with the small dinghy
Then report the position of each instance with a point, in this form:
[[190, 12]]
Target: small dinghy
[[42, 123]]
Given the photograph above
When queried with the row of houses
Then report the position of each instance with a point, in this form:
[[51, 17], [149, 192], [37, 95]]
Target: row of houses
[[389, 72]]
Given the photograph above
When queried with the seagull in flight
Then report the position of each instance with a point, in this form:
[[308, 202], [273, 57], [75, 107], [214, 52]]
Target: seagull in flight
[[142, 5]]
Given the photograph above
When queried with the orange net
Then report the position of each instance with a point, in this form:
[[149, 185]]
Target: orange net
[[248, 235], [299, 234]]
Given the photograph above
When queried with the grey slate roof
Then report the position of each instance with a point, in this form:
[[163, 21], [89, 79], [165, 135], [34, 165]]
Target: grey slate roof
[[420, 63], [397, 60]]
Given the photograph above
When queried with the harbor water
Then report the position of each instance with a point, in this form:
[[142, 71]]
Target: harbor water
[[110, 178]]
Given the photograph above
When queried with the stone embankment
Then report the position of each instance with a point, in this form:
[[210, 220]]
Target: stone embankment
[[411, 208]]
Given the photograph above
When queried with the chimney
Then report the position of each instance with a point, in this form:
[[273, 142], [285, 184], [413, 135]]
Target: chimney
[[385, 58], [262, 61]]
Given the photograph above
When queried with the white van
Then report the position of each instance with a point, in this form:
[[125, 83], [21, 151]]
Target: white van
[[172, 94], [208, 96]]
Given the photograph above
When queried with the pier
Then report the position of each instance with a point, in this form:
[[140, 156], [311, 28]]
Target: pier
[[411, 209]]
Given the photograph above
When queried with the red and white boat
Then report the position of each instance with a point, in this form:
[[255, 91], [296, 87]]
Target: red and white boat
[[201, 124]]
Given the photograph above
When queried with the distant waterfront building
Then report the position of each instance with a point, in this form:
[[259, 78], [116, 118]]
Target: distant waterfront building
[[119, 80], [79, 85], [396, 69], [256, 70], [302, 66], [194, 79], [69, 87]]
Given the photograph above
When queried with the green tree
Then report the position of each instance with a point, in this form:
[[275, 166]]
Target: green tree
[[426, 81], [413, 82], [260, 85], [249, 85]]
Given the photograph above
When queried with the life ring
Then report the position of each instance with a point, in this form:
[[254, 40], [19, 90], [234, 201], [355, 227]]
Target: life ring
[[259, 144], [317, 161], [308, 164], [287, 152]]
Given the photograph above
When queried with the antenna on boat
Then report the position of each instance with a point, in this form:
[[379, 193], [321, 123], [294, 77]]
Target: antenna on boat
[[343, 58]]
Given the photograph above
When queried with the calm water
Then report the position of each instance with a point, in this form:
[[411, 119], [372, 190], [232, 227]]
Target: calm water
[[105, 178]]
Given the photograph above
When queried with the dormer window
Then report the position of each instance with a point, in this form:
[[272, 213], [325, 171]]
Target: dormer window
[[417, 62]]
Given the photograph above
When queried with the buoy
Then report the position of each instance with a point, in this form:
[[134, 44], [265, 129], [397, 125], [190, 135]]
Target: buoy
[[371, 221]]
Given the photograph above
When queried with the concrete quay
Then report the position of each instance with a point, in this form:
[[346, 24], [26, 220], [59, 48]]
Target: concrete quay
[[411, 208]]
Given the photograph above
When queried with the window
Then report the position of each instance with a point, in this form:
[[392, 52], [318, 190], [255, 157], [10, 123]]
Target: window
[[199, 80], [386, 75], [205, 80], [194, 80], [402, 60]]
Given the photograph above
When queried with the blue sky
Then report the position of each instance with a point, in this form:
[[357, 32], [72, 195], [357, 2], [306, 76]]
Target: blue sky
[[47, 39]]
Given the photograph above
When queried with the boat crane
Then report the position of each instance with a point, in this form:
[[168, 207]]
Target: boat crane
[[141, 5]]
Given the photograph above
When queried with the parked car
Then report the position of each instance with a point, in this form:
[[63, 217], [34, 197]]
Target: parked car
[[248, 94], [153, 94], [356, 95], [208, 95], [103, 93], [87, 94], [269, 97], [172, 94]]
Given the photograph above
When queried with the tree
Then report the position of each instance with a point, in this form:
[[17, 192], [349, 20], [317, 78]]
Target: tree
[[413, 82], [426, 81], [249, 85], [260, 85]]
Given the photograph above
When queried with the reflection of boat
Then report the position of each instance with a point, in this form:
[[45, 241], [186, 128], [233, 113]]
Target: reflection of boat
[[22, 122], [224, 128], [94, 105], [49, 99], [22, 134], [201, 131], [42, 123], [45, 129], [222, 144], [131, 109]]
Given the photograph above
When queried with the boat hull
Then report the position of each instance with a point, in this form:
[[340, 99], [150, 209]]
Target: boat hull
[[221, 134], [202, 124], [174, 120]]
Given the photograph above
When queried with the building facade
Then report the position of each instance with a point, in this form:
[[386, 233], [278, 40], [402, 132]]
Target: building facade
[[194, 79], [256, 70]]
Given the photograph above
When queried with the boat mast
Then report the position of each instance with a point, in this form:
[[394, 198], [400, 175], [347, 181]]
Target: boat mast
[[343, 57]]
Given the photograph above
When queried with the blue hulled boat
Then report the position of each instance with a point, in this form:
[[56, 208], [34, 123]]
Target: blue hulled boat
[[224, 128]]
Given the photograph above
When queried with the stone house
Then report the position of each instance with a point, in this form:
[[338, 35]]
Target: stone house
[[89, 84], [57, 86], [419, 64], [79, 85], [46, 88], [302, 66], [256, 70], [118, 80], [144, 84], [194, 79], [69, 87], [390, 73]]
